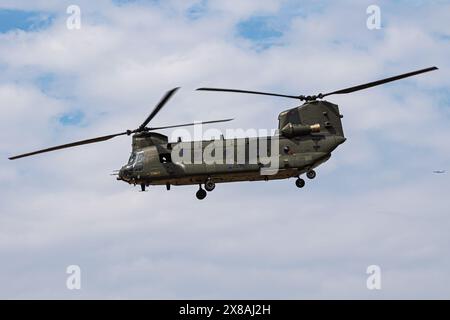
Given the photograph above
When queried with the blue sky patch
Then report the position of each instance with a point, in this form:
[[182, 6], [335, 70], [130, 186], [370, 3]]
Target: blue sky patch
[[197, 10], [259, 28], [443, 36], [45, 81], [125, 2], [73, 118], [122, 2], [23, 20]]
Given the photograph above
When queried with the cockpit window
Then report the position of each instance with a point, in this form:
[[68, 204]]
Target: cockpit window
[[132, 158], [140, 157], [139, 163]]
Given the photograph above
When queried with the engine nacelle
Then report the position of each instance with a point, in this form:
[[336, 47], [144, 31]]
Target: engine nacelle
[[294, 130]]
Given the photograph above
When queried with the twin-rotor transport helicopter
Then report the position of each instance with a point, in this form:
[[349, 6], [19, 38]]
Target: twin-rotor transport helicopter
[[307, 134]]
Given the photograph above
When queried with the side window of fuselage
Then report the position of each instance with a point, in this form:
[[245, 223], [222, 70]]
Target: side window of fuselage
[[165, 158]]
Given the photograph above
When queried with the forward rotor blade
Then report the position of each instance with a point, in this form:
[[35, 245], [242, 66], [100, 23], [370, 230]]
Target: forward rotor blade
[[158, 107], [251, 92], [69, 145], [378, 82], [188, 124]]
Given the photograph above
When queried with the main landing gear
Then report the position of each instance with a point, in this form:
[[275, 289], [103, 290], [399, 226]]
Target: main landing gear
[[201, 194], [209, 186], [300, 183], [311, 174]]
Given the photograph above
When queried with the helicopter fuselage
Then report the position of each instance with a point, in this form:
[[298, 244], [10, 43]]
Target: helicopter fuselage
[[305, 139], [153, 165]]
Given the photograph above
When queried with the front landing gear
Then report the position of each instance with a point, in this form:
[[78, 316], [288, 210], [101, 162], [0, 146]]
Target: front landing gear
[[201, 194], [300, 183]]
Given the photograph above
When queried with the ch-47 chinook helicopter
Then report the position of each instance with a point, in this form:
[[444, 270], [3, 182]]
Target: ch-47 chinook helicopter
[[307, 134]]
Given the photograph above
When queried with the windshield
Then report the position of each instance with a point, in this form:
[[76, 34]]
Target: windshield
[[132, 158], [138, 163]]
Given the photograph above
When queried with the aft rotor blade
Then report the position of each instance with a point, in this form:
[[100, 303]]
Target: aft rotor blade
[[158, 107], [69, 145], [378, 82], [251, 92], [188, 124]]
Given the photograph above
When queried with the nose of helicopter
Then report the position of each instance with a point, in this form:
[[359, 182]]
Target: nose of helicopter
[[125, 173]]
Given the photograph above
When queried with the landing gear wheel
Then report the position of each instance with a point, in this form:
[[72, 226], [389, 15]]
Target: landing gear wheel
[[209, 186], [300, 183], [311, 174], [201, 194]]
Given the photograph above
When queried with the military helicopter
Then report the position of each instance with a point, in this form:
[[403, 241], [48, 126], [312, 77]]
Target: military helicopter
[[306, 136]]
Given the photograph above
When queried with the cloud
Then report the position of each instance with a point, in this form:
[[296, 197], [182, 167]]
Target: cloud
[[375, 202]]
